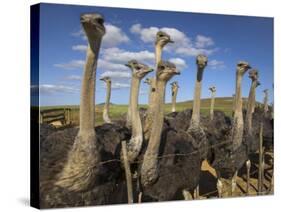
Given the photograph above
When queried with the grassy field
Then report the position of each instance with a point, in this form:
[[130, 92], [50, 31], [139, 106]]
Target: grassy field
[[116, 111]]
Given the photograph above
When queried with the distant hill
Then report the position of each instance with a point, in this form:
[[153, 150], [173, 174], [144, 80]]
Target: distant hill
[[102, 104]]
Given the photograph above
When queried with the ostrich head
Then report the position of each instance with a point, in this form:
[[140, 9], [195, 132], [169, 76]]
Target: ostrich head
[[201, 61], [106, 79], [162, 38], [242, 67], [147, 81], [174, 84], [253, 74], [166, 70], [92, 24], [139, 69], [212, 89]]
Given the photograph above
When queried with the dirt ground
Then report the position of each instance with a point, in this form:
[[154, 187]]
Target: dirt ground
[[209, 179]]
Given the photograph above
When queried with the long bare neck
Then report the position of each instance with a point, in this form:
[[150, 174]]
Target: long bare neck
[[265, 101], [250, 105], [238, 95], [107, 102], [149, 171], [212, 105], [135, 143], [238, 122], [174, 98], [159, 116], [136, 121], [195, 119], [150, 94], [87, 101], [158, 54], [151, 106]]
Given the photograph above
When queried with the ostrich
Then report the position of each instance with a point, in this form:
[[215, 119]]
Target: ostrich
[[233, 104], [138, 72], [213, 92], [254, 98], [149, 82], [175, 88], [79, 160], [162, 39], [232, 154], [105, 114], [165, 72], [265, 101], [70, 170], [180, 155], [251, 139], [194, 128]]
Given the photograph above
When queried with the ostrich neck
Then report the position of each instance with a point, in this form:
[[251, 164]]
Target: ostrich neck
[[136, 121], [158, 54], [153, 91], [238, 95], [149, 171], [150, 94], [154, 141], [87, 104], [250, 105], [238, 123], [265, 101], [212, 105], [135, 143], [174, 98], [195, 119], [107, 102]]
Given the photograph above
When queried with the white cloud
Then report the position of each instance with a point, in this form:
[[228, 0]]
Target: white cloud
[[122, 56], [80, 48], [52, 89], [118, 85], [73, 77], [113, 36], [72, 65], [203, 41], [116, 74], [180, 63], [216, 64], [147, 35], [183, 44], [106, 65], [191, 51], [136, 29]]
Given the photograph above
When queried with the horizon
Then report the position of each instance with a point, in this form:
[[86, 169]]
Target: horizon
[[225, 39]]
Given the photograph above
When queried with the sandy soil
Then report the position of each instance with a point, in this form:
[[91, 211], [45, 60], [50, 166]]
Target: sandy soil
[[208, 180]]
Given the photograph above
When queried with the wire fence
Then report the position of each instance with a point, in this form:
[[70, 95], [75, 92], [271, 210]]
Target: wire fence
[[120, 160]]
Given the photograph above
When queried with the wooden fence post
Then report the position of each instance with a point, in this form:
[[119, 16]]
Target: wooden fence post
[[128, 173]]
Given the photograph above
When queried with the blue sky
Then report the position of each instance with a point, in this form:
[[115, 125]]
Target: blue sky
[[130, 35]]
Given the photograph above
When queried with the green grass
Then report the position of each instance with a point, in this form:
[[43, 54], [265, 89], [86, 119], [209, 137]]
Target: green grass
[[116, 111]]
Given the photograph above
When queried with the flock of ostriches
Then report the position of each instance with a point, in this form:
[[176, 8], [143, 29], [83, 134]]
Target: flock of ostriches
[[83, 165]]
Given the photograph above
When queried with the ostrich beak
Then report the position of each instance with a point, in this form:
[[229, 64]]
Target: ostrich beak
[[177, 72], [127, 65], [150, 70], [171, 41]]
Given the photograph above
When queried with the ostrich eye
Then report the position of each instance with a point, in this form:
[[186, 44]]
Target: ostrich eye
[[162, 67], [161, 35], [138, 68], [100, 21]]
